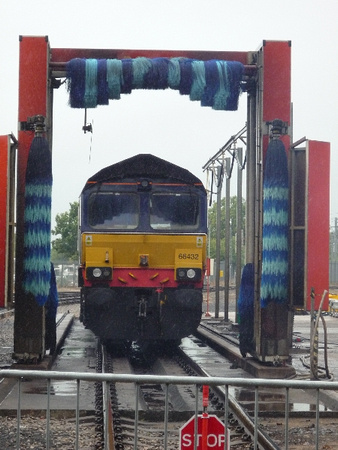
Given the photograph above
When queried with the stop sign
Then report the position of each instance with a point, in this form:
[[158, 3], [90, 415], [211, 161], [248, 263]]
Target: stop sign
[[210, 429]]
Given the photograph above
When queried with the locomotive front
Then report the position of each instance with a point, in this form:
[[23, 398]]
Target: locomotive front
[[143, 231]]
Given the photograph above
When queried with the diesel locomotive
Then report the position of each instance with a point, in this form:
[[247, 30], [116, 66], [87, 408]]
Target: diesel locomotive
[[143, 231]]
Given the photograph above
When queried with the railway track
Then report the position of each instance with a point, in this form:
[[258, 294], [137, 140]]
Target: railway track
[[162, 409], [255, 420], [69, 297], [268, 431]]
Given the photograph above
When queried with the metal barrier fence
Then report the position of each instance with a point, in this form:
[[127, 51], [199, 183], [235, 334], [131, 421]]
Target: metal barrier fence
[[224, 384], [66, 275], [333, 274]]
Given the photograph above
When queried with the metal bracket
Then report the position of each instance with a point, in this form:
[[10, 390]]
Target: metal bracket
[[277, 128], [34, 123], [87, 127]]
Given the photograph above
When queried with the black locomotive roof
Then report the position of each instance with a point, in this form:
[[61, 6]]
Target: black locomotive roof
[[144, 166]]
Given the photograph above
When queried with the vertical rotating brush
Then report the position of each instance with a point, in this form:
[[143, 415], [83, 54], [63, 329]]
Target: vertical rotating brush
[[275, 256], [37, 217], [246, 310], [50, 314], [275, 269]]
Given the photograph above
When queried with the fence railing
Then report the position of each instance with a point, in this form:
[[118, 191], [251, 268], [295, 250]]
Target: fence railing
[[317, 388], [333, 273], [66, 275]]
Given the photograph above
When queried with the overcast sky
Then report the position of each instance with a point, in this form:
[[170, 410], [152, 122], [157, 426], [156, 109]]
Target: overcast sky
[[163, 122]]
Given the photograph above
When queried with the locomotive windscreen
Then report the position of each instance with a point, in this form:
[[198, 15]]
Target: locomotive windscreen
[[113, 210], [174, 211], [161, 211]]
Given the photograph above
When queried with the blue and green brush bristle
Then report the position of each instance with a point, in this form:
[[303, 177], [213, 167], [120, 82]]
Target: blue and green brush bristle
[[37, 218], [275, 271], [214, 83]]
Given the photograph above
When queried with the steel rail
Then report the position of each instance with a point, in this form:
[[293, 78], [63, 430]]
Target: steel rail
[[258, 436], [108, 425]]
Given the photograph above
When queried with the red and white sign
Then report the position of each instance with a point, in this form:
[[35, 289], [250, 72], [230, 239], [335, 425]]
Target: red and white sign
[[210, 434]]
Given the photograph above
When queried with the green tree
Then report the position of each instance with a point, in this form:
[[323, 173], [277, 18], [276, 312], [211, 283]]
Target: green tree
[[212, 217], [65, 246]]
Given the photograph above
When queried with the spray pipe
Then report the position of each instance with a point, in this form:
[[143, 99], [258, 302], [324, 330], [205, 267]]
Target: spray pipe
[[315, 331], [207, 314]]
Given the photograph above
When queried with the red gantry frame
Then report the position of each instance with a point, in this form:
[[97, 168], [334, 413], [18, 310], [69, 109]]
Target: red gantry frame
[[7, 206], [269, 97]]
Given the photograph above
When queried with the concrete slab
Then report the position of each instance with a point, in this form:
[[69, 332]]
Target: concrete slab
[[300, 351], [76, 352], [248, 364]]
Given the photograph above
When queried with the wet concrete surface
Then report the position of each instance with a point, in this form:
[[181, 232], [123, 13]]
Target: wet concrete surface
[[301, 347], [300, 351], [77, 353], [299, 362]]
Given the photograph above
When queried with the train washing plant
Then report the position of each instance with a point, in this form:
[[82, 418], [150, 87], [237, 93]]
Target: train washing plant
[[215, 79]]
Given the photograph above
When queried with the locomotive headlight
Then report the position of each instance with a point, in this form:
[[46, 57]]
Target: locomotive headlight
[[191, 273], [188, 274], [181, 273], [97, 272]]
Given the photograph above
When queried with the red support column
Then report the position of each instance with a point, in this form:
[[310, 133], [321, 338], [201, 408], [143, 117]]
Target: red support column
[[273, 102], [4, 199], [33, 100], [276, 84], [317, 239]]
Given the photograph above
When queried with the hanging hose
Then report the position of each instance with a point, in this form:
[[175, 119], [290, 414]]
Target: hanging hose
[[328, 375], [313, 338], [322, 372]]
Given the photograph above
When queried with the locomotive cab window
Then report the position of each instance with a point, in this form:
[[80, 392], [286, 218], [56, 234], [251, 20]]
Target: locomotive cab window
[[113, 210], [174, 211]]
